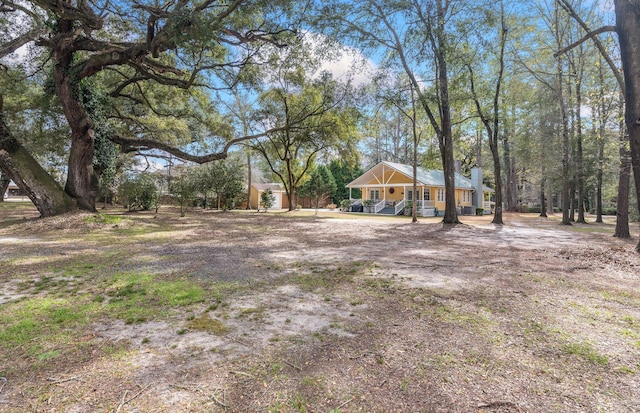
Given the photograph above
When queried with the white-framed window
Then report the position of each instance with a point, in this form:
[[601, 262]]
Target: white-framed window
[[440, 194], [410, 194], [427, 194], [374, 194], [464, 196]]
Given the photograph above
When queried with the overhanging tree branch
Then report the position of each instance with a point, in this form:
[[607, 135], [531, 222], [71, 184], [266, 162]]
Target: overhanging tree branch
[[605, 55], [133, 144], [21, 40], [590, 35]]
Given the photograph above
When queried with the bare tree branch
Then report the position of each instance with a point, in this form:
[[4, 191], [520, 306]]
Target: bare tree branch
[[616, 72], [586, 37]]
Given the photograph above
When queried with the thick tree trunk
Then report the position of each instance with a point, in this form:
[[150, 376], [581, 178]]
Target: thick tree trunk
[[550, 195], [510, 181], [4, 185], [446, 148], [622, 206], [82, 181], [628, 29], [624, 178], [26, 172], [497, 215], [572, 199], [290, 188], [543, 200]]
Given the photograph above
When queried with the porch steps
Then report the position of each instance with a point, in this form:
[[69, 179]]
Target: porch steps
[[388, 211]]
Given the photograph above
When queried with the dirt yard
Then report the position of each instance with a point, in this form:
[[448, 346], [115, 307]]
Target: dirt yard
[[289, 312]]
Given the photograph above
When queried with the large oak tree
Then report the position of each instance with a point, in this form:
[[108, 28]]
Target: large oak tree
[[130, 46]]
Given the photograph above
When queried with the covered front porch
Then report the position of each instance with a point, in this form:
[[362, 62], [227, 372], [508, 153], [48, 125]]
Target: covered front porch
[[388, 188], [392, 206]]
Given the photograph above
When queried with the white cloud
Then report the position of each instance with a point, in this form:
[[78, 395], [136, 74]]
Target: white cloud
[[351, 64], [343, 62]]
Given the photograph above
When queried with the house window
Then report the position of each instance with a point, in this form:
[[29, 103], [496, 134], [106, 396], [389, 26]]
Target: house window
[[410, 194], [374, 194], [427, 194], [464, 196], [440, 194]]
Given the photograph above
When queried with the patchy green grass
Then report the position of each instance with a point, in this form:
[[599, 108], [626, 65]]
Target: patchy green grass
[[104, 219], [44, 322], [15, 212], [138, 297], [41, 322], [448, 313], [586, 351], [206, 323]]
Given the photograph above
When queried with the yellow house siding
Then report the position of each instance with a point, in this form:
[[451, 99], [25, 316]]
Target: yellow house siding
[[254, 201], [463, 197], [255, 196]]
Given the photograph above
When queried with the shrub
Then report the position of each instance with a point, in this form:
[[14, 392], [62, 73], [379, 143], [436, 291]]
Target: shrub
[[267, 199], [345, 204], [138, 193], [609, 211], [479, 211]]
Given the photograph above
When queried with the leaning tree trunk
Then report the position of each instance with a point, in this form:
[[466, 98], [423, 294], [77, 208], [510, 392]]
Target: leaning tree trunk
[[4, 185], [628, 29], [82, 181], [47, 195]]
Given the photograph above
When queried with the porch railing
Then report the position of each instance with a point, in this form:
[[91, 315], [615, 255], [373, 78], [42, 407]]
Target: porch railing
[[487, 205], [399, 207], [426, 204], [379, 206]]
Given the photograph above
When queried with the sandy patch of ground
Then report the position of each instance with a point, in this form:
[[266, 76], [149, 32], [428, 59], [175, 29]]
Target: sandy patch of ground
[[338, 313]]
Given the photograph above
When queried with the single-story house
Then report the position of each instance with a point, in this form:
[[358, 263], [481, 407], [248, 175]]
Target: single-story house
[[388, 188], [281, 200], [14, 191]]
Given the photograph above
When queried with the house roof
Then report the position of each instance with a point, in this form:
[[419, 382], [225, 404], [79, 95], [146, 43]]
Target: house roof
[[427, 177], [264, 187]]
